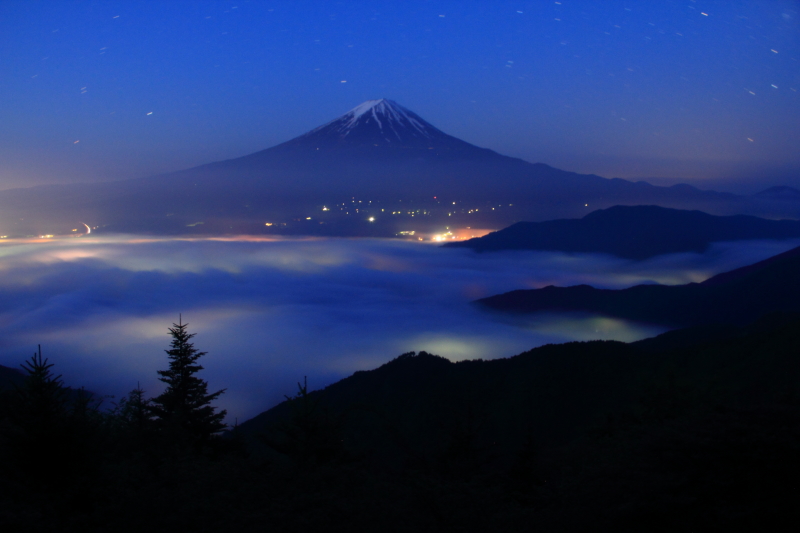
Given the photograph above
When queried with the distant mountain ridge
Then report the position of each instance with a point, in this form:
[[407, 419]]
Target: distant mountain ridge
[[378, 152], [780, 192], [632, 232], [735, 297]]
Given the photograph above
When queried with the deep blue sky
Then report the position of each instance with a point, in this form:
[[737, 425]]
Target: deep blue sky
[[702, 91]]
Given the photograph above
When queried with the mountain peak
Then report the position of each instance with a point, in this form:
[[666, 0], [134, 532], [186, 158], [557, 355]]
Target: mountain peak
[[383, 105], [779, 192], [384, 111], [378, 122]]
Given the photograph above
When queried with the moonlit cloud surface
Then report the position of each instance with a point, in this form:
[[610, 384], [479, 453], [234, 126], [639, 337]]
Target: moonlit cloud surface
[[270, 311]]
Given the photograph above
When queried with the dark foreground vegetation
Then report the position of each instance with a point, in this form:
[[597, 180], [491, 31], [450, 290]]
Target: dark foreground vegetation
[[694, 430]]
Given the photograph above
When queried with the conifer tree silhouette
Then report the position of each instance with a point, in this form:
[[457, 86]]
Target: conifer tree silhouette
[[48, 429], [184, 408], [42, 397]]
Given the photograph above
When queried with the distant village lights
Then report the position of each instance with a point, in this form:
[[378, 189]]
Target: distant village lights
[[444, 237]]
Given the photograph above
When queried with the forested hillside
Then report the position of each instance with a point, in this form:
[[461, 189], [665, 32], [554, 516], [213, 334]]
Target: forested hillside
[[695, 429]]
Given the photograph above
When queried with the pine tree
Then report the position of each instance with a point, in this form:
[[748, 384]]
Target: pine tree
[[134, 412], [184, 408], [310, 435], [42, 397], [52, 430], [38, 413]]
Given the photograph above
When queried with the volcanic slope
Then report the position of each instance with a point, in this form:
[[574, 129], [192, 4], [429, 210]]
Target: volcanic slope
[[378, 151]]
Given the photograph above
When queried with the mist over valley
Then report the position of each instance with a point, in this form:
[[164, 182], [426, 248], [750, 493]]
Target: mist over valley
[[272, 310]]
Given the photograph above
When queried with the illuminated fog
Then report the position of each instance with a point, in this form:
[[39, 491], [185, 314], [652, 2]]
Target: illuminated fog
[[272, 311]]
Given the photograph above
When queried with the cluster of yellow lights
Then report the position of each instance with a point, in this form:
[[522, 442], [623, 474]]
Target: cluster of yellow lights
[[444, 237]]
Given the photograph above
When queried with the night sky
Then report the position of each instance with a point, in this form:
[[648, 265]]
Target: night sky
[[704, 92]]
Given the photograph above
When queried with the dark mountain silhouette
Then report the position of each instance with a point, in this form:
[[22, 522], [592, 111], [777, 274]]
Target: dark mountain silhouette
[[380, 152], [736, 297], [634, 232], [611, 429], [696, 429], [779, 193], [10, 377], [425, 390]]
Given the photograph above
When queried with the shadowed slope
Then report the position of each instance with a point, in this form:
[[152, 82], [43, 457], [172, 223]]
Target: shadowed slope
[[735, 297], [633, 232], [416, 408], [10, 377]]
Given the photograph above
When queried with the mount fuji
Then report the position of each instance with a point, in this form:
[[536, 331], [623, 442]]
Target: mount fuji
[[381, 122], [378, 149], [378, 153]]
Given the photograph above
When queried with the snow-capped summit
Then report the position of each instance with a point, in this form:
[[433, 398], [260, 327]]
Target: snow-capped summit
[[378, 122], [385, 112]]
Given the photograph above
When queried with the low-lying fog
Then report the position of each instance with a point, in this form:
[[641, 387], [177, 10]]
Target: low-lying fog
[[269, 312]]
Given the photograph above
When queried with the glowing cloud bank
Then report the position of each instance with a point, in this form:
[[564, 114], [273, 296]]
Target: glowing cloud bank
[[270, 311]]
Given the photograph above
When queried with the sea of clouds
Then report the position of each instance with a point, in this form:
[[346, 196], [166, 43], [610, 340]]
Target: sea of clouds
[[271, 311]]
